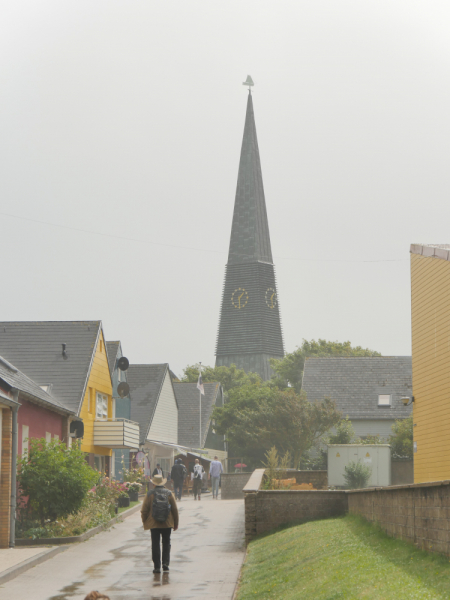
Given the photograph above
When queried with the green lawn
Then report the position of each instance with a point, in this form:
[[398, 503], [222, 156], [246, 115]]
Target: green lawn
[[123, 508], [343, 558]]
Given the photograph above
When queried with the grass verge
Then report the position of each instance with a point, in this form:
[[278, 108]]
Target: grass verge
[[123, 508], [344, 558]]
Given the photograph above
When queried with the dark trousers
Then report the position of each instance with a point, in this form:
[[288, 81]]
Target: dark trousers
[[164, 533], [177, 488], [197, 487]]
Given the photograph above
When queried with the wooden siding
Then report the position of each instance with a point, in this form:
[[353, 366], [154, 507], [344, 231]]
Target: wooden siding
[[99, 381], [430, 321], [164, 427]]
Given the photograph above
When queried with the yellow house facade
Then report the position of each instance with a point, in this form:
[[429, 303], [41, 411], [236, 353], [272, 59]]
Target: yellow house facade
[[430, 323]]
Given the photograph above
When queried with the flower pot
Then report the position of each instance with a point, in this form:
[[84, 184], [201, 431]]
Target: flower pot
[[124, 501], [133, 496]]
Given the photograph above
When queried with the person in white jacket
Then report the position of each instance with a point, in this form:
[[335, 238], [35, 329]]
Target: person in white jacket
[[197, 477]]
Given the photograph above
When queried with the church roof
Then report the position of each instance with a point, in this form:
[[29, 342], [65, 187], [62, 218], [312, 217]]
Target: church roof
[[250, 239]]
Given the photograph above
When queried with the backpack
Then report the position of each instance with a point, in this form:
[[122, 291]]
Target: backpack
[[161, 506]]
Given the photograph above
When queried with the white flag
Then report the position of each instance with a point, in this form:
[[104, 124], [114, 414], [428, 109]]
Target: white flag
[[200, 385]]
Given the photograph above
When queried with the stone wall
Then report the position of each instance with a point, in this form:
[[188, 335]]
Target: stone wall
[[418, 513], [402, 472], [319, 479], [232, 485], [268, 509]]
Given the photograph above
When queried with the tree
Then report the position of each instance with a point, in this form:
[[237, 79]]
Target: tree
[[344, 433], [230, 377], [402, 439], [258, 417], [55, 478], [289, 370]]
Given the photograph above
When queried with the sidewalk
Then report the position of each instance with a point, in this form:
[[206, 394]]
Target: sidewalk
[[207, 553]]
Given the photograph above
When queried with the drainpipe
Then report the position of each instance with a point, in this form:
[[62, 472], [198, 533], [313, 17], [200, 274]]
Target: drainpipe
[[12, 528]]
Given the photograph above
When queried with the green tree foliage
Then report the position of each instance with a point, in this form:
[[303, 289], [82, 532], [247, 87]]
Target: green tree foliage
[[55, 479], [230, 377], [356, 475], [370, 440], [343, 434], [402, 439], [289, 370], [257, 417]]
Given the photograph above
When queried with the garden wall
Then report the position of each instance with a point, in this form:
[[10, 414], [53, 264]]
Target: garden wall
[[232, 485], [402, 472], [418, 513], [268, 509]]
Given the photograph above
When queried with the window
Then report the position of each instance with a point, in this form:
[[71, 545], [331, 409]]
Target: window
[[102, 406], [56, 436], [384, 400], [100, 463], [48, 437], [165, 465], [25, 433]]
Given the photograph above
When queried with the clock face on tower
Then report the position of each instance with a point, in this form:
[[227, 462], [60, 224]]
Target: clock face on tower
[[239, 298], [271, 298]]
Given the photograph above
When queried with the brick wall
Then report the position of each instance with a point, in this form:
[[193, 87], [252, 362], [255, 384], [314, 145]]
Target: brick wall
[[319, 479], [418, 513], [5, 477], [268, 509], [232, 485]]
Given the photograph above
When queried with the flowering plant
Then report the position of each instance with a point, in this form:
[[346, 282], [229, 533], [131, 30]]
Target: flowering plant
[[134, 486]]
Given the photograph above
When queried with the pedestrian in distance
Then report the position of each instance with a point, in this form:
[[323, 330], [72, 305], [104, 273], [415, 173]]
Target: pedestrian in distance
[[178, 475], [158, 471], [197, 477], [215, 470], [159, 513]]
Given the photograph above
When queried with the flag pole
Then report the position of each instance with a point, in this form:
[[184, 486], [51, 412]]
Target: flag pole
[[200, 401]]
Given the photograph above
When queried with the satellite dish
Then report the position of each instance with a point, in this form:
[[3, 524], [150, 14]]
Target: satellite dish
[[123, 363], [123, 389]]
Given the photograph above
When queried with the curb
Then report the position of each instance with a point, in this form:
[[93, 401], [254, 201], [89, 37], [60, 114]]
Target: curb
[[31, 562], [238, 582], [25, 542]]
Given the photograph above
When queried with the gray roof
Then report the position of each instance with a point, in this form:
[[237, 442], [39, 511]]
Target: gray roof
[[16, 379], [188, 397], [145, 383], [355, 383], [35, 347], [250, 239], [112, 348]]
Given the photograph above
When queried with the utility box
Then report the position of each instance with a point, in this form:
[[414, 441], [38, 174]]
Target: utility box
[[376, 456]]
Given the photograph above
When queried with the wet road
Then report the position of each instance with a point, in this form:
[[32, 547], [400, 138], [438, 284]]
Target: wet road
[[206, 557]]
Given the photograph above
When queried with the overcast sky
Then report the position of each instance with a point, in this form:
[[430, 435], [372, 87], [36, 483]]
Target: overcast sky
[[124, 120]]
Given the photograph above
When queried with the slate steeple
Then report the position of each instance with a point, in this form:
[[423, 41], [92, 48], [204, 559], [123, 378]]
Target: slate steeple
[[250, 327]]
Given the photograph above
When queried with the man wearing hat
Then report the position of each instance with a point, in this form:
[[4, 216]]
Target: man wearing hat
[[159, 513]]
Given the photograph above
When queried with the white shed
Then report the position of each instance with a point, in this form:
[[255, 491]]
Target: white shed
[[376, 456]]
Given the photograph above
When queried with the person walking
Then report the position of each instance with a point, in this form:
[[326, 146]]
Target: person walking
[[197, 476], [215, 470], [159, 513], [178, 475], [158, 471]]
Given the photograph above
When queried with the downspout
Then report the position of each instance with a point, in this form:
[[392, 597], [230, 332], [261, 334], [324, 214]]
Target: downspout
[[12, 527]]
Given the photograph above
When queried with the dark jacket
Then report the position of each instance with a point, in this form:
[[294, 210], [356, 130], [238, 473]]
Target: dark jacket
[[178, 473], [146, 513], [155, 472]]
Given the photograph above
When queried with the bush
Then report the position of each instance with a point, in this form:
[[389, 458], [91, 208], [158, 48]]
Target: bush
[[55, 479], [356, 475], [344, 433], [402, 439]]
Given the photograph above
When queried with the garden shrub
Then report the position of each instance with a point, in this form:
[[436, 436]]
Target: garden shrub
[[356, 475], [54, 478]]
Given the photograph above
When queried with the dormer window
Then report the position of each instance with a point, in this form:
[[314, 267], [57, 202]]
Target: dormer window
[[384, 400]]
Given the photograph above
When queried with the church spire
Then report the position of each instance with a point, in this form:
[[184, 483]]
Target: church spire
[[250, 327], [250, 239]]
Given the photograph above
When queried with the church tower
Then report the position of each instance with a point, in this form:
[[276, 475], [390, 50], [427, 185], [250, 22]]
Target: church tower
[[250, 326]]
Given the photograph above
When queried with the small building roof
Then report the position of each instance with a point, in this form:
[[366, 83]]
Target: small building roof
[[188, 397], [145, 383], [35, 347], [355, 383], [14, 378]]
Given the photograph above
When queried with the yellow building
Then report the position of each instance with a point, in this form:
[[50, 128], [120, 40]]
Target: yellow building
[[430, 320], [68, 359]]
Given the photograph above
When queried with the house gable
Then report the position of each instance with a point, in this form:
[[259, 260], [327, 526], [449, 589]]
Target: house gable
[[164, 425]]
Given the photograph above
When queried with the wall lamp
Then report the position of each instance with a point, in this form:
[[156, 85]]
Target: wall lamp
[[406, 400]]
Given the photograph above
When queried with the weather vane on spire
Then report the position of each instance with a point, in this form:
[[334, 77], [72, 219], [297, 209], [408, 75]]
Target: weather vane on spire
[[249, 82]]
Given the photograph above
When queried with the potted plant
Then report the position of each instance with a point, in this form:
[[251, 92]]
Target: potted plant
[[124, 499], [133, 491]]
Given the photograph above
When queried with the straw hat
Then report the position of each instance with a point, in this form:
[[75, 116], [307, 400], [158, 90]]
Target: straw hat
[[158, 480]]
